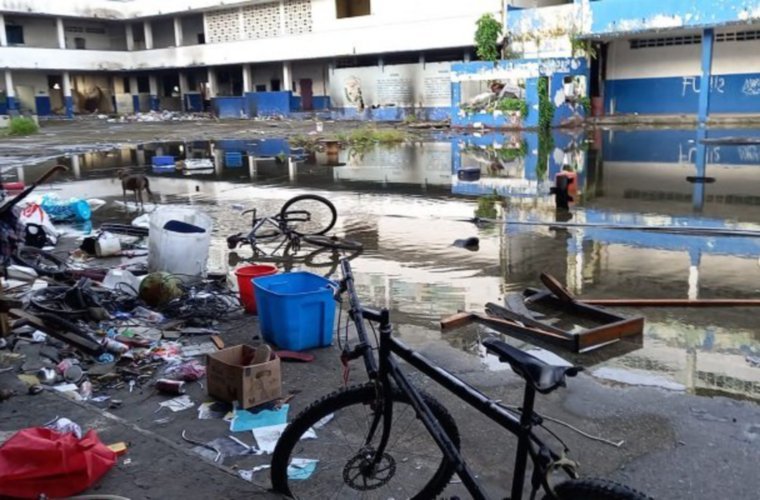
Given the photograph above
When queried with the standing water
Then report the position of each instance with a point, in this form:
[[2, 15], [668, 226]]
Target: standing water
[[409, 204]]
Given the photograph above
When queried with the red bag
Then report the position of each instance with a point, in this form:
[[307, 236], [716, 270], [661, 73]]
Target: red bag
[[38, 461]]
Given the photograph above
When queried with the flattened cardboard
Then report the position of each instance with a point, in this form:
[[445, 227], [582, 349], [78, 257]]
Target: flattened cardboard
[[251, 376]]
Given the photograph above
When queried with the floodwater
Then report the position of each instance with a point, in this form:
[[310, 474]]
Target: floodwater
[[408, 204]]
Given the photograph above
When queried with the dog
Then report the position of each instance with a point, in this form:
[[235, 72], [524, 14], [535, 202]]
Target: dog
[[135, 183]]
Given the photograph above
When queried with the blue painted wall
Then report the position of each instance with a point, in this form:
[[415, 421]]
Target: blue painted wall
[[3, 107], [228, 107], [625, 16], [42, 104], [728, 94], [268, 103], [68, 104], [321, 102], [193, 102], [295, 103]]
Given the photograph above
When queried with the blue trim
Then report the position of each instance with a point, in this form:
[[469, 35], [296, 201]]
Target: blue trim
[[531, 99], [295, 103], [193, 102], [268, 103], [12, 104], [3, 107], [154, 103], [68, 104], [228, 107], [704, 88], [42, 105], [320, 102], [136, 103]]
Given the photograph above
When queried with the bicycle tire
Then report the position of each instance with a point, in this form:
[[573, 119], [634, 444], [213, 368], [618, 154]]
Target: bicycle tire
[[316, 258], [290, 446], [595, 489], [332, 242], [309, 226], [50, 300], [44, 263]]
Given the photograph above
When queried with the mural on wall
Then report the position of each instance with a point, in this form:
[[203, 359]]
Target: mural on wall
[[491, 95], [394, 86]]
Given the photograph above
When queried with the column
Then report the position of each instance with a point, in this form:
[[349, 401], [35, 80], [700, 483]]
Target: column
[[148, 35], [247, 79], [3, 36], [10, 92], [282, 17], [20, 174], [61, 33], [704, 88], [287, 76], [466, 56], [698, 194], [211, 82], [252, 165], [153, 84], [68, 100], [129, 32], [135, 91], [76, 168], [695, 258], [178, 32], [183, 89]]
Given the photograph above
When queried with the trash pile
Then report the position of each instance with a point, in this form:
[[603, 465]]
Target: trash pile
[[163, 116]]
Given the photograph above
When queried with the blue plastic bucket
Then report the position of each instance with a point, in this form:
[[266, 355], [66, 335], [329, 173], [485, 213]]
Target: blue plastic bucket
[[296, 310]]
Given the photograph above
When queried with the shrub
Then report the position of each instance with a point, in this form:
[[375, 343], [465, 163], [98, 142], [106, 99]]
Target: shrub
[[22, 126]]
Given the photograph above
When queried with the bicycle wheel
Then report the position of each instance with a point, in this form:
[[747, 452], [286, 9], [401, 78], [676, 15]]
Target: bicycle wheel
[[595, 489], [329, 257], [332, 466], [332, 242], [44, 263], [309, 214], [62, 300]]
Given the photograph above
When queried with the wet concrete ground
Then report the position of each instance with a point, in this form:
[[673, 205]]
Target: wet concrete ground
[[676, 445]]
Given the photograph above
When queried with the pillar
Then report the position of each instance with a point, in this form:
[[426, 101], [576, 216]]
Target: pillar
[[695, 258], [252, 166], [466, 56], [10, 92], [129, 32], [211, 82], [183, 89], [287, 76], [68, 99], [148, 35], [247, 79], [3, 36], [76, 168], [704, 88], [135, 91], [153, 84], [20, 174], [61, 33], [698, 194], [292, 170], [178, 32]]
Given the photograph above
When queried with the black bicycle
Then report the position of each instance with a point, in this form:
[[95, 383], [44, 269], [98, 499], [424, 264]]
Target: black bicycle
[[387, 439], [302, 219]]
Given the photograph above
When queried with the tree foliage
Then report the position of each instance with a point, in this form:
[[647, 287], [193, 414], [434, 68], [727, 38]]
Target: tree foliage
[[487, 36]]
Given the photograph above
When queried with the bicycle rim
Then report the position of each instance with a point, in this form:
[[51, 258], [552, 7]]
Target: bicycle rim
[[44, 263], [332, 465], [52, 300], [332, 242], [309, 214]]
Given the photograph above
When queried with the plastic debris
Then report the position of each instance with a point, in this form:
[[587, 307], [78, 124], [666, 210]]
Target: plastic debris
[[247, 475], [178, 404], [59, 210], [244, 420], [189, 371], [64, 425], [267, 437], [301, 468]]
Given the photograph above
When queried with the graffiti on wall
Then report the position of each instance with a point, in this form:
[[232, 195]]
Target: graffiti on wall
[[751, 87], [690, 84]]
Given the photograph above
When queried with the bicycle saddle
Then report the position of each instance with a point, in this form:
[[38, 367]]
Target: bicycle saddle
[[542, 376]]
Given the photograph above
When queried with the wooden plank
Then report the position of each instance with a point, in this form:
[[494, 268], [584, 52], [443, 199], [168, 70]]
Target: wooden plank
[[578, 307], [526, 333], [456, 321], [73, 338], [502, 312], [673, 302], [556, 288], [633, 327]]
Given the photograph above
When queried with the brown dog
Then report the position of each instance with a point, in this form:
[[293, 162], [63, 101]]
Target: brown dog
[[135, 183]]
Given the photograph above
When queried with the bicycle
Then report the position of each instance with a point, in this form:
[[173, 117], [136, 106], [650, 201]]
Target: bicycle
[[348, 461], [303, 218]]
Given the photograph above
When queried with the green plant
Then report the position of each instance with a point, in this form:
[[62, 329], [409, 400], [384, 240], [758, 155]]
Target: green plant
[[579, 46], [410, 118], [585, 101], [302, 141], [22, 125], [545, 148], [546, 107], [507, 104], [371, 135], [487, 206], [487, 33]]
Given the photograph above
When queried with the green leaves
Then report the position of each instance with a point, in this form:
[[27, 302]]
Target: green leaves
[[487, 35]]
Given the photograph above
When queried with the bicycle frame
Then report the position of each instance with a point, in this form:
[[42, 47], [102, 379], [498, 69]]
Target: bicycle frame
[[529, 445]]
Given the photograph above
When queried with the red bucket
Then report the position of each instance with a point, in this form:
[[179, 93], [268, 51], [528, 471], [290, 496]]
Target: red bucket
[[245, 277]]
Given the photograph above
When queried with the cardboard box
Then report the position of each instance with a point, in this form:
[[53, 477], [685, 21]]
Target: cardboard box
[[251, 376]]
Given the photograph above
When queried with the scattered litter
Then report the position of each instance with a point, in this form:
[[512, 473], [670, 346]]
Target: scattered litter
[[247, 475], [189, 371], [178, 404], [301, 468], [166, 386], [267, 437], [198, 349], [65, 425], [66, 387], [244, 420], [213, 410], [203, 445], [324, 421]]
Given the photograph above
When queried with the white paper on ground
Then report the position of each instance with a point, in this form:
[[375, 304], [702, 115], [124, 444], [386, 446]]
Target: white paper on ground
[[266, 437], [178, 404]]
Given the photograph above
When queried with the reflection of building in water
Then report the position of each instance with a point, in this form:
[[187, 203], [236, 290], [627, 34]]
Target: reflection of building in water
[[427, 163]]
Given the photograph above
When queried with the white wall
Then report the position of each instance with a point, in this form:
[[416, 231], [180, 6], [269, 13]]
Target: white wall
[[317, 72], [35, 79], [38, 31], [264, 73], [191, 27], [656, 62], [106, 9], [114, 37], [163, 32]]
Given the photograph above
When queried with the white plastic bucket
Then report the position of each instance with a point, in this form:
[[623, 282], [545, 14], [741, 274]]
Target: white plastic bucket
[[106, 245], [182, 253]]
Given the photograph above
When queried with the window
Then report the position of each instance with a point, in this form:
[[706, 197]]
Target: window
[[261, 88], [352, 8], [275, 84], [201, 38], [14, 34], [79, 43], [127, 90]]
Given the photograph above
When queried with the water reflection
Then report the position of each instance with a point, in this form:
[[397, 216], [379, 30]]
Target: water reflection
[[409, 203]]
